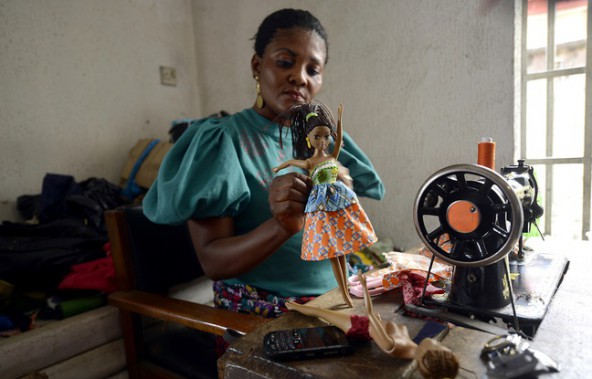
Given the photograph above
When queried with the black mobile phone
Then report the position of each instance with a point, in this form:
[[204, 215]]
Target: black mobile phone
[[303, 343]]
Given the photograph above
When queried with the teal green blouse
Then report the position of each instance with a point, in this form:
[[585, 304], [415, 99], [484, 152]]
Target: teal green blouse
[[222, 167]]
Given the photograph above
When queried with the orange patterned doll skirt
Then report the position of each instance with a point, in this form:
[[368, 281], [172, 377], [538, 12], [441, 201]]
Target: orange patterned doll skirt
[[332, 234]]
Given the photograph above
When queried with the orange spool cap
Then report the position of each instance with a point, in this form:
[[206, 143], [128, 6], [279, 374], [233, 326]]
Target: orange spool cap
[[486, 153]]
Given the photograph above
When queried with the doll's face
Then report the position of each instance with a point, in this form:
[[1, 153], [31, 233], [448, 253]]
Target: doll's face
[[320, 137]]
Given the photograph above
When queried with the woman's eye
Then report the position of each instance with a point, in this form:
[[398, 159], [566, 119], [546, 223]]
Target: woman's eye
[[284, 63], [313, 71]]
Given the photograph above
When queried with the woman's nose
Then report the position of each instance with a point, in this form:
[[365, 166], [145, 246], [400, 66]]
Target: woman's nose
[[298, 76]]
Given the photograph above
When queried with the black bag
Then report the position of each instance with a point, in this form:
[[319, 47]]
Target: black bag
[[62, 197], [98, 195], [55, 190]]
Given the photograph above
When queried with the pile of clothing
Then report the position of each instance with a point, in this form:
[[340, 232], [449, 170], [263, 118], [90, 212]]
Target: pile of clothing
[[56, 264]]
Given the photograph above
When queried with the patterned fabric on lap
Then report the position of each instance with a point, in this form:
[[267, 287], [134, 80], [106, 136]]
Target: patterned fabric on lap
[[243, 298]]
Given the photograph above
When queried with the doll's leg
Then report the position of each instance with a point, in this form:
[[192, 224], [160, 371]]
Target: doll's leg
[[339, 319], [378, 332], [392, 338], [343, 266], [339, 267]]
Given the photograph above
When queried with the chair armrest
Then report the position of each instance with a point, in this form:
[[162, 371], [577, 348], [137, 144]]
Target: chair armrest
[[193, 315]]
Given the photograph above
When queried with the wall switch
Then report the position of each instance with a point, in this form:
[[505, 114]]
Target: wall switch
[[168, 76]]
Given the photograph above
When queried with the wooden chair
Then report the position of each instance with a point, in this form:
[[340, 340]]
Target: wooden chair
[[149, 259]]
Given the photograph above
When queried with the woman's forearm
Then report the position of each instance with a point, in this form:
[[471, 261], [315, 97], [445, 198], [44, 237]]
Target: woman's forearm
[[224, 255]]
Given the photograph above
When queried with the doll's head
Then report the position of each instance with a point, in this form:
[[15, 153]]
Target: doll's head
[[302, 119]]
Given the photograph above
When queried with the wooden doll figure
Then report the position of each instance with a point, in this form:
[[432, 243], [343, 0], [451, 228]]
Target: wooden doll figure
[[336, 224]]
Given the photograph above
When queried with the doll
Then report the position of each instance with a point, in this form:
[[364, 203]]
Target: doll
[[432, 359], [336, 224]]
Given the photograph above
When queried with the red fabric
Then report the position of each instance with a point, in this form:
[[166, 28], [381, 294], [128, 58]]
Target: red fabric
[[412, 287], [94, 275], [359, 328]]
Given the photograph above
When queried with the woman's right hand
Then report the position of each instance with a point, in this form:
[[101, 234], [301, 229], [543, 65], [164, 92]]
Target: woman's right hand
[[288, 195]]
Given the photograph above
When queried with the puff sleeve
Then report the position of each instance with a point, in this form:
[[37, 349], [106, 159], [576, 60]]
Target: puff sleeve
[[200, 177]]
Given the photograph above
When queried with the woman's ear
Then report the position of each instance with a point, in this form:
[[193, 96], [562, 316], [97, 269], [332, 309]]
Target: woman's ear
[[255, 65]]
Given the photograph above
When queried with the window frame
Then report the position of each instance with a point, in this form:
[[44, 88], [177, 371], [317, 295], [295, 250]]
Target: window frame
[[549, 162]]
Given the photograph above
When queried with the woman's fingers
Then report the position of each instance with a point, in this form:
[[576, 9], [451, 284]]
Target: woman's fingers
[[288, 195]]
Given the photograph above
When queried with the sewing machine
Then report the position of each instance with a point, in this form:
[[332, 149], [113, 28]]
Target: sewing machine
[[474, 218]]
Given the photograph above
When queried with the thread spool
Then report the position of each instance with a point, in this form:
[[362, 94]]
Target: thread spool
[[486, 153]]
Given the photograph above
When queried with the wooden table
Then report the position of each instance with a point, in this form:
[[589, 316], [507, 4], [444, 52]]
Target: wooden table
[[564, 334]]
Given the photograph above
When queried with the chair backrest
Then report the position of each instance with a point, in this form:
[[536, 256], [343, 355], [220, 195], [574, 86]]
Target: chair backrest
[[160, 256]]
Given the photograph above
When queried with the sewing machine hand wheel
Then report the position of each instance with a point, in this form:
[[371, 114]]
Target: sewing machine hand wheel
[[474, 209]]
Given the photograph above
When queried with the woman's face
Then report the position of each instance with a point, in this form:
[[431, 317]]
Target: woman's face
[[320, 137], [290, 70]]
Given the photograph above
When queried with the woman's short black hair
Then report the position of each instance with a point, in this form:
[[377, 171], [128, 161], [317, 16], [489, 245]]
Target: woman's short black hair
[[286, 19]]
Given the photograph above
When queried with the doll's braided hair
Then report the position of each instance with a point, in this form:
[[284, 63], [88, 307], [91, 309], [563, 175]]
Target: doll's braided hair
[[438, 364], [301, 119]]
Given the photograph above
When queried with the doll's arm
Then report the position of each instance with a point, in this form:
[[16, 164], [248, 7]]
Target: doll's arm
[[292, 162], [339, 138]]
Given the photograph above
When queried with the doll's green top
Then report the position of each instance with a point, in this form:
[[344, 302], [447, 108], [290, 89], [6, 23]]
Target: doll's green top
[[325, 173], [223, 167]]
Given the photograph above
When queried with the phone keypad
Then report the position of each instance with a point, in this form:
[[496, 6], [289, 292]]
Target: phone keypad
[[285, 340]]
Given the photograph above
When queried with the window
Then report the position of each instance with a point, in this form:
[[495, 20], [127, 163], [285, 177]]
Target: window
[[556, 112]]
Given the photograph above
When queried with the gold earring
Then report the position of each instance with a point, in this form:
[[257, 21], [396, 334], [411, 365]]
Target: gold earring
[[308, 143], [259, 101]]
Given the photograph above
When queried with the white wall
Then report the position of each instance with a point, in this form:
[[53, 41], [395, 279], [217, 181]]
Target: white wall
[[421, 82], [79, 84]]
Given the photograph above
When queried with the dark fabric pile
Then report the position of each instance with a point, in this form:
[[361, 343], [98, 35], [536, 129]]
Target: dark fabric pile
[[57, 263]]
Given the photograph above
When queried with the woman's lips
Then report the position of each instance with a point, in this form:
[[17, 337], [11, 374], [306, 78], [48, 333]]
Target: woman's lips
[[294, 95]]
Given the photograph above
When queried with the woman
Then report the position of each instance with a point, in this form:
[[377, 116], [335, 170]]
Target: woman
[[245, 223]]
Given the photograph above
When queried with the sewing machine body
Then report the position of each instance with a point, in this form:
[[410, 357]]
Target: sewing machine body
[[472, 217]]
